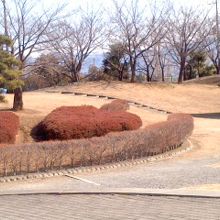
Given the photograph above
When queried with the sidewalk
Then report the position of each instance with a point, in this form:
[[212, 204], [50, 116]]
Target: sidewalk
[[101, 207]]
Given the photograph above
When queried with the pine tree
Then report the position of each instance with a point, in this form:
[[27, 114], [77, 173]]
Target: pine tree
[[115, 63], [10, 74], [198, 66]]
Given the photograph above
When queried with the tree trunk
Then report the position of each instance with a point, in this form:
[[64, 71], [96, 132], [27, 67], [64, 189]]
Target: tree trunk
[[217, 70], [120, 78], [133, 70], [132, 74], [218, 67], [18, 100], [148, 73], [162, 73], [76, 77], [181, 73]]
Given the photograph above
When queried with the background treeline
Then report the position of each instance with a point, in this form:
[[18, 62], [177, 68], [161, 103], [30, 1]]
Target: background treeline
[[139, 42]]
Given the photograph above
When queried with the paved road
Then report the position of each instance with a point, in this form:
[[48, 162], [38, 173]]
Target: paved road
[[100, 207], [167, 174]]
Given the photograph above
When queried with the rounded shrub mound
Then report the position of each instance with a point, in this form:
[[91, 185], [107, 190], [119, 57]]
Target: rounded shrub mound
[[116, 105], [84, 122], [9, 124]]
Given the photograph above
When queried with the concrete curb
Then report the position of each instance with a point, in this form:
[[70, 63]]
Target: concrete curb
[[124, 191]]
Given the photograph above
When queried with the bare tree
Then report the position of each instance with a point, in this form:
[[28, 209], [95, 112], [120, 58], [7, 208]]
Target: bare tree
[[147, 63], [138, 29], [163, 58], [211, 45], [5, 20], [74, 42], [187, 30], [49, 68], [27, 29]]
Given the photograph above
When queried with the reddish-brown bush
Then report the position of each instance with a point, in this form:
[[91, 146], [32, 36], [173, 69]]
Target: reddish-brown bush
[[112, 147], [66, 123], [116, 106], [9, 124]]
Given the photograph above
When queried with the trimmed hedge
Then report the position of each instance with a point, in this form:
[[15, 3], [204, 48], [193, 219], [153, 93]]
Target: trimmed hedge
[[66, 123], [9, 125], [154, 139], [116, 106]]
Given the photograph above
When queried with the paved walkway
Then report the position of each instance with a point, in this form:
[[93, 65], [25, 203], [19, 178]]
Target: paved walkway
[[100, 207]]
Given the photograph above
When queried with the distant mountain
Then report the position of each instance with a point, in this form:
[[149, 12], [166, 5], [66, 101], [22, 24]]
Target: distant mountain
[[94, 59]]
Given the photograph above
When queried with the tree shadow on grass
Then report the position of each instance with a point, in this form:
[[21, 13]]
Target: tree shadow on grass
[[215, 115]]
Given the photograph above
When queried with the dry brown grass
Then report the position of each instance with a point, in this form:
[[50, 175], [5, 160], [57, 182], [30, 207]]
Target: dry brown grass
[[186, 98], [175, 98], [38, 104]]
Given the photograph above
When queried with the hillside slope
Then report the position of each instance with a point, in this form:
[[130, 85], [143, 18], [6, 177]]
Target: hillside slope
[[189, 98]]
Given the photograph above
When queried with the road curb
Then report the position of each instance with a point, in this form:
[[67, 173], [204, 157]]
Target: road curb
[[121, 191]]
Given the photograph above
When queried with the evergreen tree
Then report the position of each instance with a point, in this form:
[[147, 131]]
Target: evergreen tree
[[198, 66], [10, 74], [115, 63]]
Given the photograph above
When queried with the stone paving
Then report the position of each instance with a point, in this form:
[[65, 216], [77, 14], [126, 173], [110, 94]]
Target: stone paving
[[100, 207], [175, 173]]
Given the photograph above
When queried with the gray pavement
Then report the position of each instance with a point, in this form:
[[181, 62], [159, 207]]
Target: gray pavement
[[107, 207], [172, 174]]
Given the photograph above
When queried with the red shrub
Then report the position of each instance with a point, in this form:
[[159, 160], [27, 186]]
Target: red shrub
[[9, 124], [84, 122], [118, 146], [116, 106]]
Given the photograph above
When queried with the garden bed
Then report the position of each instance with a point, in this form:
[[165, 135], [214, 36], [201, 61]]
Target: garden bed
[[113, 147]]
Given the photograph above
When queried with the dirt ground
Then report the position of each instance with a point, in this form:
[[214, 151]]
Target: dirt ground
[[188, 98], [201, 100], [38, 104]]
